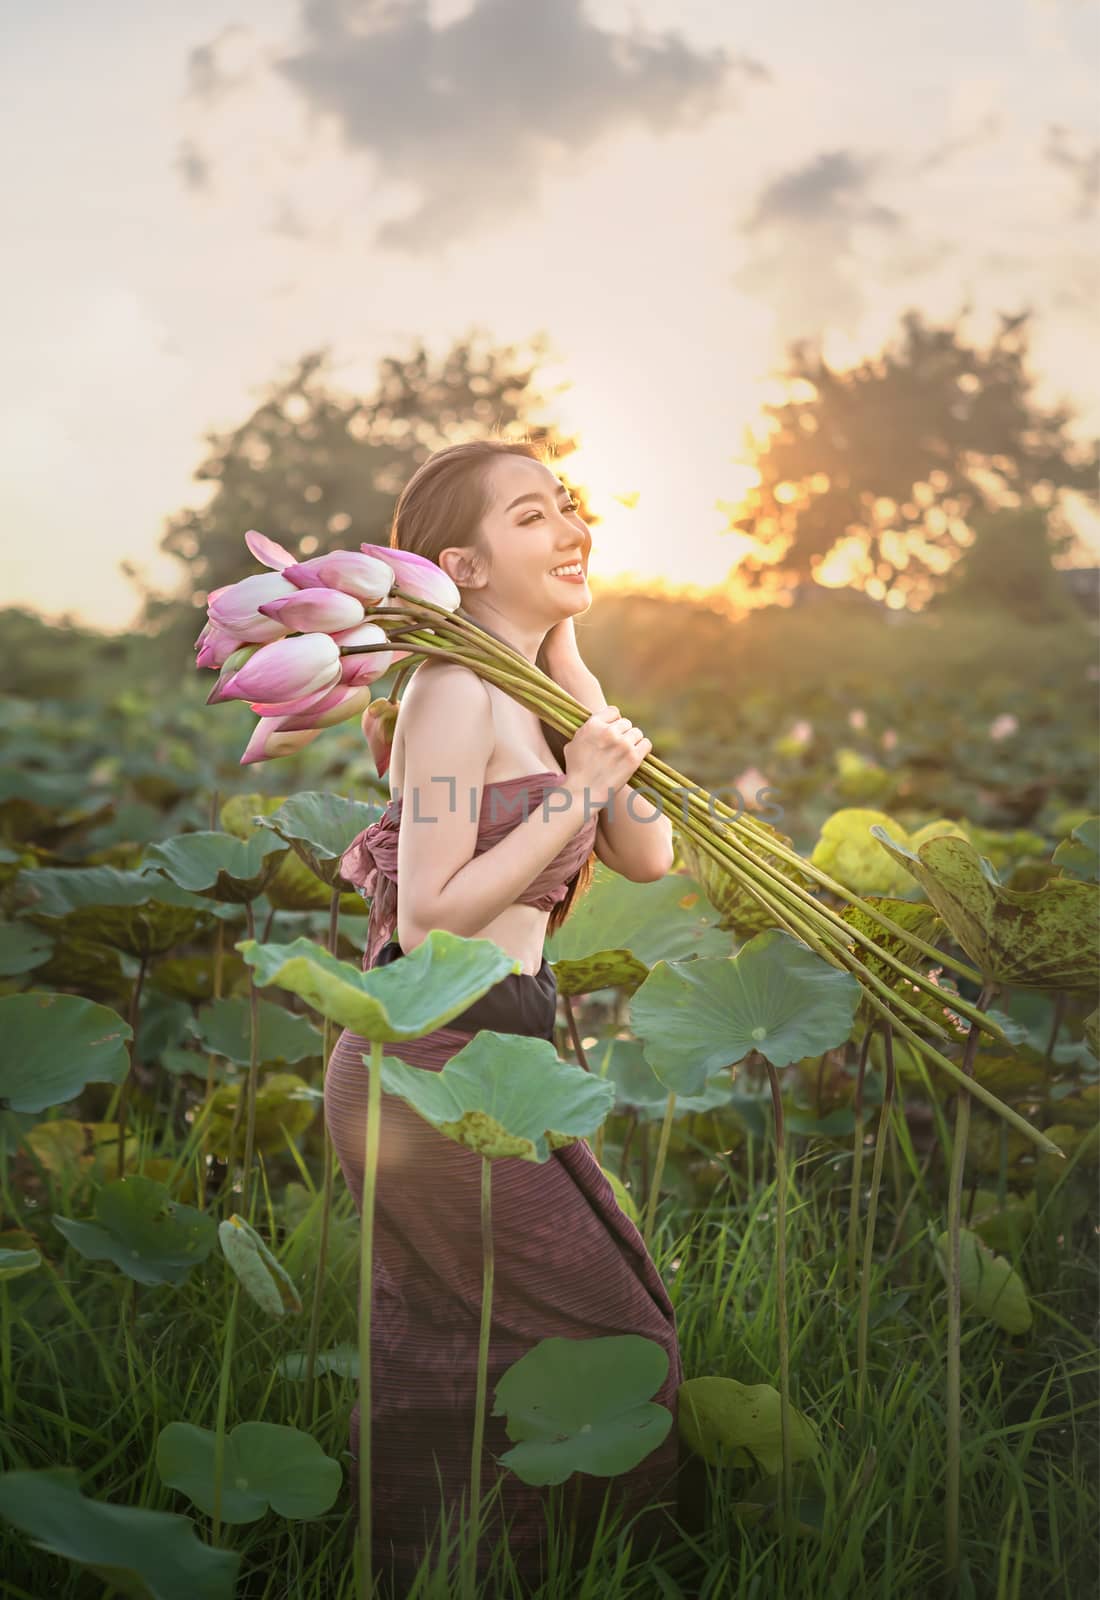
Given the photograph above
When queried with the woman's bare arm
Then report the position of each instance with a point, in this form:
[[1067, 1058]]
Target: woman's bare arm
[[448, 742]]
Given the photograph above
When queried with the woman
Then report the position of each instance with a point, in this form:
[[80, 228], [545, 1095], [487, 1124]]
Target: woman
[[494, 825]]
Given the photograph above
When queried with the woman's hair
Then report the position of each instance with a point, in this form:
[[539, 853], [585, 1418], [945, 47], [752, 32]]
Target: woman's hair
[[442, 505]]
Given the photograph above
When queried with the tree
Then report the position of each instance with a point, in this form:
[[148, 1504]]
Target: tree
[[873, 476], [321, 471]]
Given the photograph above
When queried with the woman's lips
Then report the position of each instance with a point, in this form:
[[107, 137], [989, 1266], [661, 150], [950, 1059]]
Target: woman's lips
[[569, 577]]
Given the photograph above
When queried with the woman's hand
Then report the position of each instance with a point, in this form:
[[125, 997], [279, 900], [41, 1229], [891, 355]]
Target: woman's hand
[[604, 753]]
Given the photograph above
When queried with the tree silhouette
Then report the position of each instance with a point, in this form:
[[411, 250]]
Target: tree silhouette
[[872, 476], [321, 471]]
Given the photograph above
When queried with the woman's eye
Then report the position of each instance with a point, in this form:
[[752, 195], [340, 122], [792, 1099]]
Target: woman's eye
[[574, 505]]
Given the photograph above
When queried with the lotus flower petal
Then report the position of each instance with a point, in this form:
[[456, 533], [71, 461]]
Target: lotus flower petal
[[286, 669], [361, 669], [229, 668], [379, 721], [267, 551], [288, 708], [307, 574], [315, 610], [417, 577], [219, 647], [270, 740], [236, 607], [368, 579], [342, 703]]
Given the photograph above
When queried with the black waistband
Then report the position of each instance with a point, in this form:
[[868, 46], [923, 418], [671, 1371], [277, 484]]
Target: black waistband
[[521, 1002]]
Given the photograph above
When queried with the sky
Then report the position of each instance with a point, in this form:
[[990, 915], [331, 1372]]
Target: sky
[[669, 190]]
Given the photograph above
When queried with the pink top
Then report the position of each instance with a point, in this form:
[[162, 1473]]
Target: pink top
[[370, 860]]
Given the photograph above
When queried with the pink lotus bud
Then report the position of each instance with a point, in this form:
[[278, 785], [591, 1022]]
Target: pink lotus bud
[[285, 670], [1003, 727], [339, 705], [290, 708], [219, 647], [267, 551], [368, 580], [269, 740], [363, 669], [315, 610], [379, 721], [229, 668], [236, 608], [417, 577]]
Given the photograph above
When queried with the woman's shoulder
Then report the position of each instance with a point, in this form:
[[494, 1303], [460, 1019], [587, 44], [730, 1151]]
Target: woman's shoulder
[[443, 701]]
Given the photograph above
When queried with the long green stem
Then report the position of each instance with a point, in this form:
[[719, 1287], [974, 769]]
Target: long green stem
[[658, 1169], [954, 1311], [253, 1070], [487, 1265], [327, 1184], [366, 1267], [786, 1487], [857, 1162], [223, 1404], [882, 1132]]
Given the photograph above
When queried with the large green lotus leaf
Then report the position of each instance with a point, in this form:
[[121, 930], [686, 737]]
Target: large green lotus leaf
[[1079, 855], [861, 779], [442, 976], [616, 931], [623, 1195], [224, 1027], [504, 1095], [775, 996], [93, 970], [22, 948], [151, 1237], [54, 1044], [740, 1424], [163, 1024], [265, 1464], [1003, 1227], [738, 909], [987, 1283], [217, 865], [14, 1263], [1046, 938], [847, 851], [142, 915], [192, 977], [582, 1405], [260, 1273], [623, 1063], [145, 1555], [285, 1107], [320, 826], [341, 1359], [924, 922]]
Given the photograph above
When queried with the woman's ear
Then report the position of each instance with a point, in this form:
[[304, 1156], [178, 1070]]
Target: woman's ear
[[462, 566]]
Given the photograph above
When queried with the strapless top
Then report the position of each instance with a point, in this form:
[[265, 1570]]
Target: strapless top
[[370, 861]]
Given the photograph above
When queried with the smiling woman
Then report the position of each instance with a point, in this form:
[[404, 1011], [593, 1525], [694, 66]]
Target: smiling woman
[[568, 1262]]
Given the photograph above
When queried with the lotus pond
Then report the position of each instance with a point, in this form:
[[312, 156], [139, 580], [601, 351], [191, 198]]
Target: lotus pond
[[886, 1288]]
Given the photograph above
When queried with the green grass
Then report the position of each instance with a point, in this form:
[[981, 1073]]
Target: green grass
[[94, 1392]]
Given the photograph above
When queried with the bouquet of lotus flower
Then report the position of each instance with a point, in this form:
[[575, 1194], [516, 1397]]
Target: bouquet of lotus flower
[[304, 641]]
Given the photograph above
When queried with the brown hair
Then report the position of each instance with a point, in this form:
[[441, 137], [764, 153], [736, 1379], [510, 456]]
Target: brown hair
[[441, 505]]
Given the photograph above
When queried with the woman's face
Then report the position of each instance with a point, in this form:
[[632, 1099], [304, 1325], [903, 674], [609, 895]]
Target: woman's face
[[531, 527]]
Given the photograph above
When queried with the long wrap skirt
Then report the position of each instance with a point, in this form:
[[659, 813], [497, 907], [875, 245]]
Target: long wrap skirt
[[568, 1262]]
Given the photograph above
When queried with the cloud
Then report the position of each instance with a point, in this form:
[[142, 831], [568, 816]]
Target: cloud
[[208, 79], [829, 189], [476, 113], [193, 166], [1082, 165], [958, 144], [806, 235]]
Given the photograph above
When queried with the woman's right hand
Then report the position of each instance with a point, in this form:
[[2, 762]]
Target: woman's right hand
[[604, 753]]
